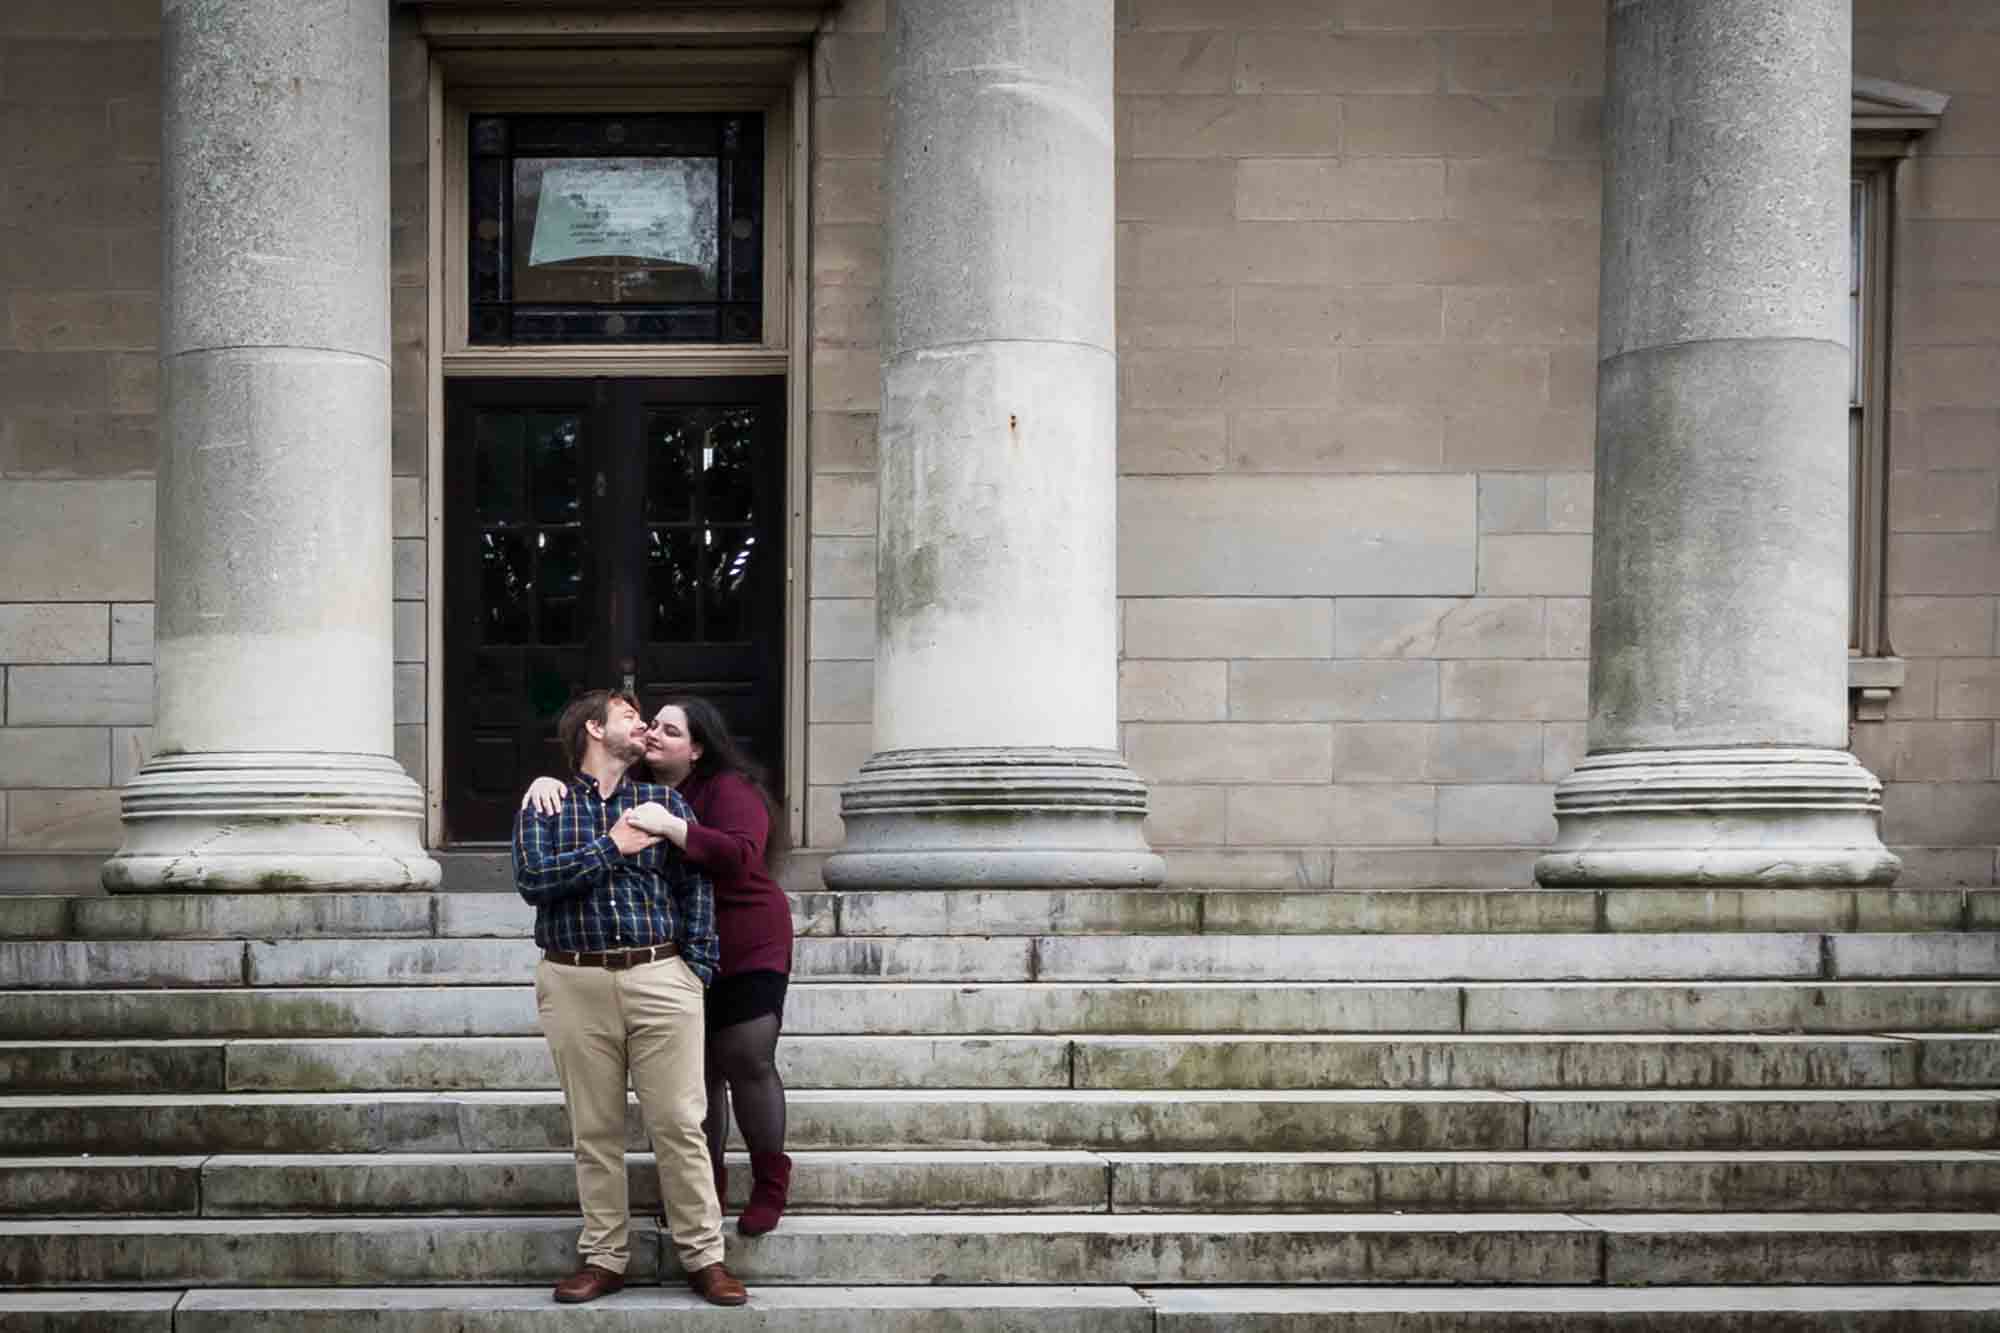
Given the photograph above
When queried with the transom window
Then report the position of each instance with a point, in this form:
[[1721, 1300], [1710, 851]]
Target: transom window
[[644, 228]]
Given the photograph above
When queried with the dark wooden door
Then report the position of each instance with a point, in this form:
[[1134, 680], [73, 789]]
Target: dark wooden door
[[605, 533]]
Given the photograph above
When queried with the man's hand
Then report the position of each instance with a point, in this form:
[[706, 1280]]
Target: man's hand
[[629, 840]]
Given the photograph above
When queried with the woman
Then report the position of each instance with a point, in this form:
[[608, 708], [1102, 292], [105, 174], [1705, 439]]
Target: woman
[[688, 746]]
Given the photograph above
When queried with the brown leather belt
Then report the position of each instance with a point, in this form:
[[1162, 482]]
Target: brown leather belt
[[615, 959]]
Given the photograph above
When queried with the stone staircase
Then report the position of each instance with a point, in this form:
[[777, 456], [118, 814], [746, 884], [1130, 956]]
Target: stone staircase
[[1172, 1111]]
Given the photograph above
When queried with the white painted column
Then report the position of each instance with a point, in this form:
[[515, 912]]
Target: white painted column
[[996, 663], [273, 737], [1718, 681]]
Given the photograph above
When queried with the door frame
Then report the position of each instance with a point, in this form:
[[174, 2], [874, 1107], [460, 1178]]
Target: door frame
[[538, 68]]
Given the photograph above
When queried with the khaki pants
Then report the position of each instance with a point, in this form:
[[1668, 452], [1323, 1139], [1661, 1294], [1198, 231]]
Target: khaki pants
[[646, 1020]]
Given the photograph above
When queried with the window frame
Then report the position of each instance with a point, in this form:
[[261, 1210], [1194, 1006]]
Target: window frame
[[669, 60], [1888, 120]]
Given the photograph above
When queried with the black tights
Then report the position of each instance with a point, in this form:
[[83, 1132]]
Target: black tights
[[742, 1060]]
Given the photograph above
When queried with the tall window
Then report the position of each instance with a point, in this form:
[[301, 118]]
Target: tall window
[[1888, 120], [1867, 412]]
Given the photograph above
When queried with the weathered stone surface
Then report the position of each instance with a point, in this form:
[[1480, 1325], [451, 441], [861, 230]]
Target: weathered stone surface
[[319, 1012], [1757, 1120], [52, 632], [302, 1251], [1745, 1309], [1719, 1006], [75, 965], [188, 1123], [111, 1066], [71, 1186], [88, 1311], [1556, 1181], [1429, 957], [55, 757], [1197, 1121], [79, 695], [512, 1182], [1164, 1247], [76, 540], [244, 916], [1494, 1062], [838, 1309], [523, 1062], [1887, 955], [1716, 395], [1423, 912], [1187, 627], [1023, 912], [1784, 1247], [1294, 536]]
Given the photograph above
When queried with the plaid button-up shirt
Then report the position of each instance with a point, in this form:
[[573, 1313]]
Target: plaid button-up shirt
[[589, 899]]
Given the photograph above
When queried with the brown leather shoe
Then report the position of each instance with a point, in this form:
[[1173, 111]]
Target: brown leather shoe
[[717, 1286], [588, 1283]]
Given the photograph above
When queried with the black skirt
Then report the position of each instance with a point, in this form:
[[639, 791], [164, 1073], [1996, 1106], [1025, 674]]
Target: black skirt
[[744, 996]]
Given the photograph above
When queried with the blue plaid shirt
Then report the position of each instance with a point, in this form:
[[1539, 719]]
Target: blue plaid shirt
[[589, 899]]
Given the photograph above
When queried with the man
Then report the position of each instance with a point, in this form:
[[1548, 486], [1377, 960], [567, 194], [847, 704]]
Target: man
[[627, 930]]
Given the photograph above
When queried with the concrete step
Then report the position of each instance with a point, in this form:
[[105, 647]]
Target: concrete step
[[1746, 1309], [637, 1309], [1044, 912], [469, 1063], [938, 1008], [1400, 1060], [95, 964], [1727, 1006], [822, 1008], [1540, 1248], [1502, 1062], [277, 1251], [1319, 1121], [927, 1309], [1570, 1182], [232, 1185], [244, 1185]]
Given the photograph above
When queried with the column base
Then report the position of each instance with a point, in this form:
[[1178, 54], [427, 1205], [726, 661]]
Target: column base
[[994, 818], [271, 822], [1753, 816]]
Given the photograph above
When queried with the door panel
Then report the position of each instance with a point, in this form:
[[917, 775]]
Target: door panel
[[598, 531]]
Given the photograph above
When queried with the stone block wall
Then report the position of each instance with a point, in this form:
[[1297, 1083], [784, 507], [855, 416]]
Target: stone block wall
[[79, 337], [1357, 299], [1937, 750], [79, 284], [1357, 275]]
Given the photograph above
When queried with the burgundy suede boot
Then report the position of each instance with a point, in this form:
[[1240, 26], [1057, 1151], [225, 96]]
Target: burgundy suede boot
[[770, 1186]]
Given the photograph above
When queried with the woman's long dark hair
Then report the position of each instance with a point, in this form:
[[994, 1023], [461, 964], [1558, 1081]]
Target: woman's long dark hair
[[722, 753]]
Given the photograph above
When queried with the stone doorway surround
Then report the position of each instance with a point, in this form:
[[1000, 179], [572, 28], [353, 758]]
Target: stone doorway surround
[[670, 58]]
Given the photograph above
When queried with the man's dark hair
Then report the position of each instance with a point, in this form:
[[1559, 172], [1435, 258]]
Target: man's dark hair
[[590, 706]]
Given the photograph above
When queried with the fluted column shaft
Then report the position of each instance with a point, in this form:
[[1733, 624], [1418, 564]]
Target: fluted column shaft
[[273, 730], [1718, 639], [996, 635]]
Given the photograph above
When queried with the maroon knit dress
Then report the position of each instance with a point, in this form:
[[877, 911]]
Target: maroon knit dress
[[752, 916]]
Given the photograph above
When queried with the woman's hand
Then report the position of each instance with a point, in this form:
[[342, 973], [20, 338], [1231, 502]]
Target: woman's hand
[[656, 819], [546, 795]]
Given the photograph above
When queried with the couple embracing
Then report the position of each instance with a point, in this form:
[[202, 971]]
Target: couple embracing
[[666, 948]]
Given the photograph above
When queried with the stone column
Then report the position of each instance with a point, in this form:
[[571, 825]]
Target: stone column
[[1718, 656], [996, 642], [273, 735]]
